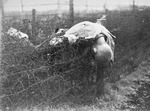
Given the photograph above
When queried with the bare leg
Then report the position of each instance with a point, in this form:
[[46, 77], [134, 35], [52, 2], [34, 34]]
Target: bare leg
[[100, 80]]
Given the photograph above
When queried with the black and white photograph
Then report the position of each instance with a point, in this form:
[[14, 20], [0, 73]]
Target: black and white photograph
[[74, 55]]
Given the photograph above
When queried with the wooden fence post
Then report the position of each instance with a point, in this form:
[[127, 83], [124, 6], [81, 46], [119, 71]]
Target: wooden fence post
[[33, 38], [1, 13], [2, 8], [133, 6], [21, 6], [71, 9], [86, 6]]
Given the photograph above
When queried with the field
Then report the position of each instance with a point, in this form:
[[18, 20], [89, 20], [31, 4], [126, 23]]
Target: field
[[52, 79]]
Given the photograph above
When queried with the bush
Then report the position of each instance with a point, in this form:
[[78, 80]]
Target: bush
[[30, 78]]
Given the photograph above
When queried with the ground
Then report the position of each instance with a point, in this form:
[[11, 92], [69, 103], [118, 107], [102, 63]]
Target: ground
[[129, 89], [130, 93]]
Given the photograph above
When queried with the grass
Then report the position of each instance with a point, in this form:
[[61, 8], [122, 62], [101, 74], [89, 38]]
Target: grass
[[47, 79]]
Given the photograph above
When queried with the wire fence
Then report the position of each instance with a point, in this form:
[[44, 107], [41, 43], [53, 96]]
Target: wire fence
[[60, 8], [57, 5], [74, 98], [16, 68], [36, 78], [56, 97]]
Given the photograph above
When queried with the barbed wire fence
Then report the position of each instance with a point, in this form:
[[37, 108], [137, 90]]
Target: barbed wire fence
[[64, 5], [34, 15], [29, 79], [26, 73]]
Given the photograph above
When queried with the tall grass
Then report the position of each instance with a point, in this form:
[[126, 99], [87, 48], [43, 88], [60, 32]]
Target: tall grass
[[30, 78]]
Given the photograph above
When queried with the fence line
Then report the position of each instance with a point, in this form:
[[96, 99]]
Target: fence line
[[84, 7], [94, 86], [54, 4], [51, 78], [41, 66]]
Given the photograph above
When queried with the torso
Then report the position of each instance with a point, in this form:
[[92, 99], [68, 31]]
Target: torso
[[103, 52]]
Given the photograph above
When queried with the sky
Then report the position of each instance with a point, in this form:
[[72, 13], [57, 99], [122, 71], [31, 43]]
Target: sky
[[43, 5]]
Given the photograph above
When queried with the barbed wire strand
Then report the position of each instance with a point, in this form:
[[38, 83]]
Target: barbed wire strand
[[66, 4], [57, 96], [93, 87], [57, 76], [30, 86], [71, 60], [57, 63]]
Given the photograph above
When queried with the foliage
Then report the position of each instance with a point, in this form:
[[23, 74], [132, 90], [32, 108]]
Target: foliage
[[32, 78]]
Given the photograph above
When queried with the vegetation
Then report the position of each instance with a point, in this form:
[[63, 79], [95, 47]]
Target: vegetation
[[55, 76]]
